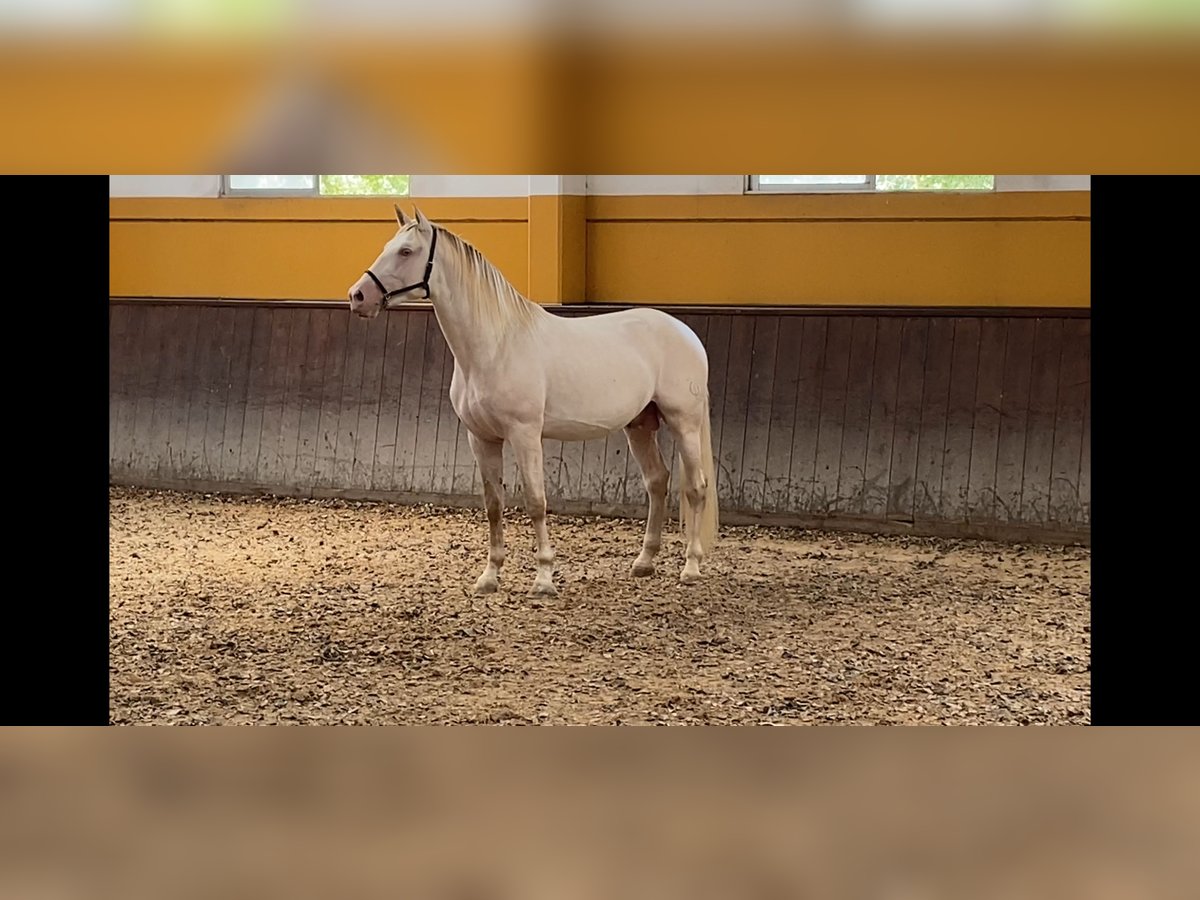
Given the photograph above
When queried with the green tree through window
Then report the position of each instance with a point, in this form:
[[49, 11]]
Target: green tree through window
[[364, 184], [935, 182]]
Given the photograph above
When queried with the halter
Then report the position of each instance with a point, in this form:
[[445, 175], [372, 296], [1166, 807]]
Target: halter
[[423, 283]]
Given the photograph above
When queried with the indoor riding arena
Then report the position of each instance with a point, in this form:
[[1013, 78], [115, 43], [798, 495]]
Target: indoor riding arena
[[899, 403]]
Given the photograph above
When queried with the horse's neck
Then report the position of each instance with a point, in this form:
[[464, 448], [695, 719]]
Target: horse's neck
[[464, 342], [475, 345]]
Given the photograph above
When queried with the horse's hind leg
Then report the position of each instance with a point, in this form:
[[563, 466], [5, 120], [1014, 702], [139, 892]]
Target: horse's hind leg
[[528, 447], [655, 475], [490, 457], [694, 485]]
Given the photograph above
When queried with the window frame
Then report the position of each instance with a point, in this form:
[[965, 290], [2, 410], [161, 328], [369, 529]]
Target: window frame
[[753, 186], [228, 190]]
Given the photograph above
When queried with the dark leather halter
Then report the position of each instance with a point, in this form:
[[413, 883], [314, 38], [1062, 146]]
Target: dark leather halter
[[423, 283]]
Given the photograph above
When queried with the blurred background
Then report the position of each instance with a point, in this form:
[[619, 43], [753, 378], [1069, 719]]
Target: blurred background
[[273, 86], [914, 814]]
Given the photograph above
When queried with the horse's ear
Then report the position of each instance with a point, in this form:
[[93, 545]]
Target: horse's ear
[[400, 217], [422, 222]]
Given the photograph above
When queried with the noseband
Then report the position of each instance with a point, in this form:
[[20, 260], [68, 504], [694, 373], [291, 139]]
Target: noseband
[[423, 283]]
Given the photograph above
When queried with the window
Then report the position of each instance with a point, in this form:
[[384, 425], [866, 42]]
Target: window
[[316, 185], [797, 184]]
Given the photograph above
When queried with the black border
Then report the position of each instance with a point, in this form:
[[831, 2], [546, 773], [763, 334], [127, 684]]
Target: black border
[[54, 662], [1143, 242]]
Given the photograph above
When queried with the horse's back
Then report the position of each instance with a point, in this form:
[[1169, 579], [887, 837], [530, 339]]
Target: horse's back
[[650, 329]]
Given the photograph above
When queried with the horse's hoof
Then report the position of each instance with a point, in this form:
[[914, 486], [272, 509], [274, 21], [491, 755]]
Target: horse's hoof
[[642, 570], [543, 590], [689, 577], [486, 585]]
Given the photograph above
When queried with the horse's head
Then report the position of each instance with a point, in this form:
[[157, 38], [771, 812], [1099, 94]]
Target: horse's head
[[402, 270]]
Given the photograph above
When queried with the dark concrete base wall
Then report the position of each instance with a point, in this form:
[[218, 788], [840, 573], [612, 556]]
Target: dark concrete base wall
[[964, 423]]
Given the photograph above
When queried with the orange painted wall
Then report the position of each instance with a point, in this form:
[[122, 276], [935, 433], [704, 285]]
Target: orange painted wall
[[994, 249]]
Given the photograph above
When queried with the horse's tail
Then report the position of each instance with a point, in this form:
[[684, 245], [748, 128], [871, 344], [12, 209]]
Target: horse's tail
[[711, 521], [712, 518]]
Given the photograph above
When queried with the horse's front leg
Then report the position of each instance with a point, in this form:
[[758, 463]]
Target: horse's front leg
[[528, 447], [490, 457]]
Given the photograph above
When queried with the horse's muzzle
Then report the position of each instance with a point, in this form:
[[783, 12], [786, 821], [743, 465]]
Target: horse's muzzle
[[360, 306]]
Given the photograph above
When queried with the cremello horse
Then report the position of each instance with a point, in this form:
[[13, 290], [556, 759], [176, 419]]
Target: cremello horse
[[522, 374]]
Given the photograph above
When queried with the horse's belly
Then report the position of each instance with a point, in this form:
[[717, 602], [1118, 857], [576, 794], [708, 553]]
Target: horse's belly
[[558, 429]]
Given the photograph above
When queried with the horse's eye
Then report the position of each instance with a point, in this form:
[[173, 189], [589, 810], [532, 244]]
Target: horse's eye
[[407, 251]]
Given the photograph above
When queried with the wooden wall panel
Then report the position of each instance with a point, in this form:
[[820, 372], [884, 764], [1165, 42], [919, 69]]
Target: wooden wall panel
[[1073, 388], [935, 401], [371, 408], [257, 378], [781, 434], [1043, 407], [123, 360], [987, 418], [853, 457], [831, 428], [400, 408], [881, 426], [959, 423], [757, 439], [805, 429], [906, 435], [960, 419]]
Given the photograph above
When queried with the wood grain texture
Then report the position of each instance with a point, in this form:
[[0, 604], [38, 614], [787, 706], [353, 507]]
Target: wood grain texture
[[756, 443], [906, 436], [935, 401], [219, 363], [960, 419], [291, 402], [164, 408], [147, 373], [400, 409], [731, 453], [200, 378], [1043, 409], [353, 401], [853, 458], [832, 426], [269, 466], [124, 331], [1074, 383], [591, 468], [312, 390], [985, 430], [783, 415], [807, 424], [370, 404], [333, 376], [881, 422], [257, 375], [1014, 416], [238, 380]]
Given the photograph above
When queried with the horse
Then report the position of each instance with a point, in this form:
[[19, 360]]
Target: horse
[[522, 374]]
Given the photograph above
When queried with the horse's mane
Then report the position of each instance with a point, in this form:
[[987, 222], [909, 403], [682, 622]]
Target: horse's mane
[[496, 305]]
